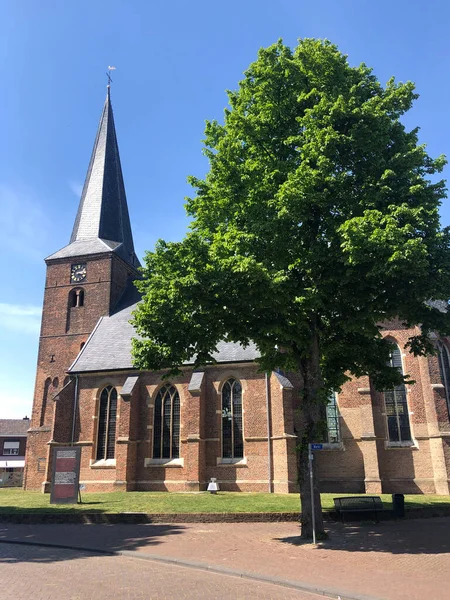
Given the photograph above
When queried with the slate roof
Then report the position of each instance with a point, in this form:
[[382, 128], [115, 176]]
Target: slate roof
[[129, 385], [283, 380], [441, 305], [109, 346], [195, 384], [12, 427], [102, 223], [85, 248]]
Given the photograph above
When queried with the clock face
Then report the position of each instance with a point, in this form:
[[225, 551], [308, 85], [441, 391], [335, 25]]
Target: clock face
[[78, 273]]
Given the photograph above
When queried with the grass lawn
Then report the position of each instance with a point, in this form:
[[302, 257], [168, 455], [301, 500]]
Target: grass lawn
[[14, 500]]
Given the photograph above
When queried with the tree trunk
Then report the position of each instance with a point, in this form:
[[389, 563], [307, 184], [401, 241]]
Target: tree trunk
[[311, 409]]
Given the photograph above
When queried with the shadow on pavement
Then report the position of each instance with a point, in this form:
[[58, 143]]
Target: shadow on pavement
[[427, 536], [109, 538]]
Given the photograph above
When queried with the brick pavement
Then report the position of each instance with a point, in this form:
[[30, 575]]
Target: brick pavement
[[397, 560], [30, 572]]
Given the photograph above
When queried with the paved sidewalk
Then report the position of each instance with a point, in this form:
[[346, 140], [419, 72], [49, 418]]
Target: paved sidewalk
[[400, 560], [35, 573]]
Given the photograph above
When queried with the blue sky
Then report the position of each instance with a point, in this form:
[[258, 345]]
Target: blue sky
[[174, 62]]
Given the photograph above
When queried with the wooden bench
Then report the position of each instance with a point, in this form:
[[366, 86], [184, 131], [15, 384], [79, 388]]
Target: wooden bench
[[352, 504]]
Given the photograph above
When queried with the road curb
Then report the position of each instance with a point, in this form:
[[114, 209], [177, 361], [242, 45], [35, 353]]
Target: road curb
[[99, 518], [303, 587], [93, 518]]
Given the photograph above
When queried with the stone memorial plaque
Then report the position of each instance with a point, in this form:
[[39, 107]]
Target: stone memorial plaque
[[66, 475]]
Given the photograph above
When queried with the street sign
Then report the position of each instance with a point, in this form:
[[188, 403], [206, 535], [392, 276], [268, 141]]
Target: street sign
[[316, 446]]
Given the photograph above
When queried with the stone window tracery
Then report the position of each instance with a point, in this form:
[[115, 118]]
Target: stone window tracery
[[444, 367], [397, 415], [232, 434], [166, 424], [333, 426], [106, 439]]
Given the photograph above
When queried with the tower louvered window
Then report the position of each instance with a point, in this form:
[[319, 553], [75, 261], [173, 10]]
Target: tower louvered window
[[107, 417], [166, 426], [232, 437], [444, 367], [397, 416]]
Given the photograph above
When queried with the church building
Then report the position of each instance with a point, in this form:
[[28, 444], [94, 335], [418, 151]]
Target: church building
[[229, 420]]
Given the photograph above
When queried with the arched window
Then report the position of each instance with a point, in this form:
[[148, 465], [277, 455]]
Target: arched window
[[48, 383], [106, 442], [397, 416], [333, 428], [166, 425], [232, 438], [444, 367], [76, 298]]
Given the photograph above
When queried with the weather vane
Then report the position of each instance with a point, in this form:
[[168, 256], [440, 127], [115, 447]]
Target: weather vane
[[108, 74]]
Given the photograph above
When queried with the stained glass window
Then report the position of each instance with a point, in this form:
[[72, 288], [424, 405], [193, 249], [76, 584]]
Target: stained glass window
[[444, 367], [106, 442], [334, 432], [232, 436], [166, 425], [397, 415]]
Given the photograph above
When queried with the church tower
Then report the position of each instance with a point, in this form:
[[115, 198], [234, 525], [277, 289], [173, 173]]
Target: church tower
[[84, 281]]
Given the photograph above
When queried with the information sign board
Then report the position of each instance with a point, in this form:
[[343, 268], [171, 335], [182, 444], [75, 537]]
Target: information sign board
[[316, 446], [66, 475]]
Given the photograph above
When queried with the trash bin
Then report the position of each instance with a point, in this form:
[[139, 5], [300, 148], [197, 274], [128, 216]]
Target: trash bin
[[398, 505]]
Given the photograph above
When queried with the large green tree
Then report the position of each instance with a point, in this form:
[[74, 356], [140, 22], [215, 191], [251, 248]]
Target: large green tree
[[317, 221]]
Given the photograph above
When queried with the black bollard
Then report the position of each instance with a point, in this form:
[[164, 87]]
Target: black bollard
[[398, 505]]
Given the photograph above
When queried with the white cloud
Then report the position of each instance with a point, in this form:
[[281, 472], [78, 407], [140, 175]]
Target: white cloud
[[24, 226], [25, 310], [76, 187], [22, 318]]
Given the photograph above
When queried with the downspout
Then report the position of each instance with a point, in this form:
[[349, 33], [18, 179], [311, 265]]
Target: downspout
[[269, 435], [74, 416]]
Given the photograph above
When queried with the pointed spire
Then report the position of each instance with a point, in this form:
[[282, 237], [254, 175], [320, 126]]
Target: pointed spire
[[103, 211]]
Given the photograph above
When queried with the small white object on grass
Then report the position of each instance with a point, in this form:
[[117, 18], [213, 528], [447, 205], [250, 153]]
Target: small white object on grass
[[213, 486]]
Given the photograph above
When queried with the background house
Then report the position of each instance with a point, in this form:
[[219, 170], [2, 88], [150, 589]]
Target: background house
[[13, 441]]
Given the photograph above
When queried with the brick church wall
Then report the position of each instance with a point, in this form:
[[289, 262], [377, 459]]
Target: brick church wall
[[341, 467], [361, 462], [351, 466], [64, 330], [201, 457]]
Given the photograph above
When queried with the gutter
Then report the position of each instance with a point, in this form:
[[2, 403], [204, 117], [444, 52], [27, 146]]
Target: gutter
[[74, 415], [269, 435]]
